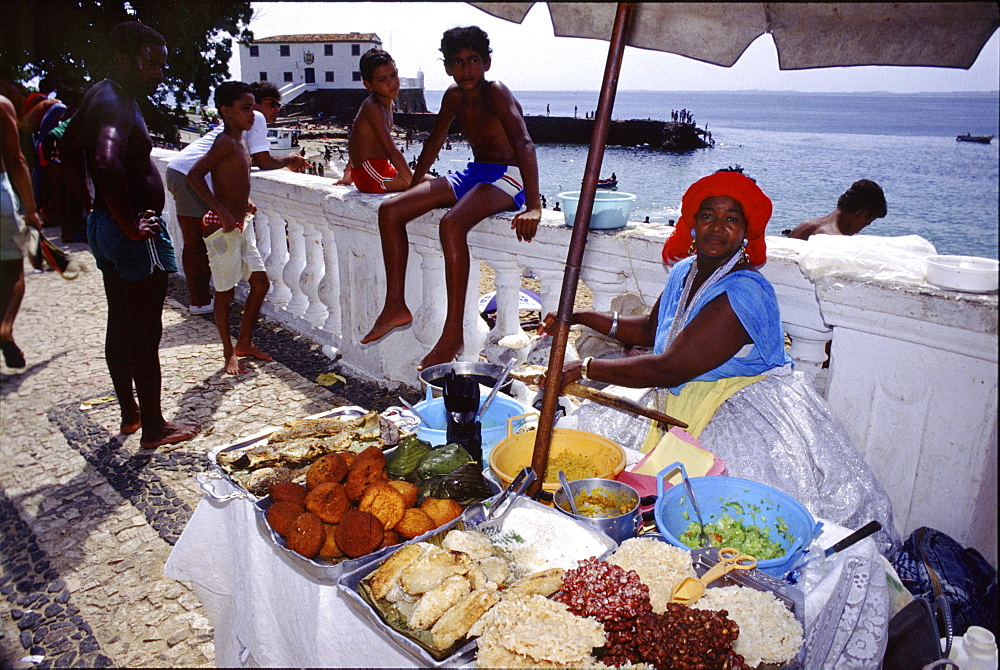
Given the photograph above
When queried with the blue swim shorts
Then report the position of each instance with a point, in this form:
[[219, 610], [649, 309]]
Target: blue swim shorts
[[132, 260], [507, 178]]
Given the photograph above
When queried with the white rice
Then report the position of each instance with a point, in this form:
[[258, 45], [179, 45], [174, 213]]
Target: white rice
[[550, 540], [769, 632]]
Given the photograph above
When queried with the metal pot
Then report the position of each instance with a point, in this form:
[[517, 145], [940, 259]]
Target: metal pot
[[486, 374], [618, 526]]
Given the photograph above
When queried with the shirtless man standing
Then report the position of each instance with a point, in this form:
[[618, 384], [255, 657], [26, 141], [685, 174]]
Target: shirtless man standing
[[126, 234]]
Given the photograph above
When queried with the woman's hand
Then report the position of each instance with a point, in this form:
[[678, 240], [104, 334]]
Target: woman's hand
[[548, 325], [571, 372]]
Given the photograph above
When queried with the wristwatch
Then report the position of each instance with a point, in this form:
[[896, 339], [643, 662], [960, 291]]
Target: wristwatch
[[585, 367]]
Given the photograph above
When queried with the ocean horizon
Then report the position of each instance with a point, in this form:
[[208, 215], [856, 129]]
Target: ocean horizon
[[804, 149]]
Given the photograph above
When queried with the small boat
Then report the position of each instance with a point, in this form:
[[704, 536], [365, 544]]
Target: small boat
[[981, 139], [611, 182], [282, 141]]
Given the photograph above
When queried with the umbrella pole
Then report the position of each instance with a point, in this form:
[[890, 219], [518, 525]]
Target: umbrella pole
[[578, 242]]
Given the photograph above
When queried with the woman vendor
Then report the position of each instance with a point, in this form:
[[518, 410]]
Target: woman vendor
[[719, 364]]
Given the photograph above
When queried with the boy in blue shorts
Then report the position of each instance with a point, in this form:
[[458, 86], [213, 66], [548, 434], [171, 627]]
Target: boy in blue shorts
[[503, 177]]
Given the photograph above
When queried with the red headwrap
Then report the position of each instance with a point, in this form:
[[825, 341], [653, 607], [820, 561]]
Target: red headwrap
[[756, 209]]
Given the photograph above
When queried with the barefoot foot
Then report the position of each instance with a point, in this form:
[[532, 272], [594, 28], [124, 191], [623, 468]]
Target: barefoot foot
[[386, 322], [443, 352], [130, 422], [171, 433], [234, 366], [252, 350]]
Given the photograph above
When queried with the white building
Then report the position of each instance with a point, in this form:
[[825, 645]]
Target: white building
[[321, 69]]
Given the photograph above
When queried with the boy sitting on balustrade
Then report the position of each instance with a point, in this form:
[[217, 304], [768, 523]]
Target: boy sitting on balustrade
[[375, 164], [503, 177]]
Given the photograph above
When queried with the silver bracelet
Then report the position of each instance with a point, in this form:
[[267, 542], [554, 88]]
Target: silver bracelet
[[614, 326]]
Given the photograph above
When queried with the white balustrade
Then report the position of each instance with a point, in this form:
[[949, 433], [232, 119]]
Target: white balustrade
[[912, 373]]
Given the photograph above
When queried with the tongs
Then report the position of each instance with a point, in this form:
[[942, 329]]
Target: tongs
[[487, 517]]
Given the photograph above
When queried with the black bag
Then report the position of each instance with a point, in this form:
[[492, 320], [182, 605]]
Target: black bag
[[914, 637], [931, 564]]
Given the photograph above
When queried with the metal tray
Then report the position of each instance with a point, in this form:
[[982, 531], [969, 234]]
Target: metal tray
[[462, 651], [216, 482], [789, 595]]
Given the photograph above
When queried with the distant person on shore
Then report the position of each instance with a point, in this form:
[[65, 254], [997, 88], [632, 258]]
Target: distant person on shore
[[857, 207], [376, 164], [126, 233], [17, 208], [503, 177], [228, 227], [191, 208]]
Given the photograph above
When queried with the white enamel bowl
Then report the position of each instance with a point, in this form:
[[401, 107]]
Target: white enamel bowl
[[963, 273]]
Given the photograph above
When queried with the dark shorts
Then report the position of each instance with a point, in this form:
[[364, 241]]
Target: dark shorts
[[132, 260]]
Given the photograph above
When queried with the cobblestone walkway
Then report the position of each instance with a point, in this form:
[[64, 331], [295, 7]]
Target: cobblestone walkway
[[87, 519]]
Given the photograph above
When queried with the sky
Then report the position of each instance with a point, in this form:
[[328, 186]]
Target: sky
[[528, 57]]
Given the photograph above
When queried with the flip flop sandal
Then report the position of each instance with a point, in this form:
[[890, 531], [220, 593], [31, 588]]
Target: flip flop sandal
[[12, 355]]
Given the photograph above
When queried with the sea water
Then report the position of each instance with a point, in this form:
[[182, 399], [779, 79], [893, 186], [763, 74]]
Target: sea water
[[804, 149]]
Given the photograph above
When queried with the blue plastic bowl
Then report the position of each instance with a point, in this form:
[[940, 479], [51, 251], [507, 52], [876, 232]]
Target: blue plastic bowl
[[762, 506], [611, 209], [494, 421]]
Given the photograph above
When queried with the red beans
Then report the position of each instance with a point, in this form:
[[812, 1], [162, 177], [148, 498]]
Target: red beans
[[681, 638]]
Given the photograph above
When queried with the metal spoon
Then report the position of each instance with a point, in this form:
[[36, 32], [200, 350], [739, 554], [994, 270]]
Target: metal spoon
[[409, 406], [496, 388], [569, 494], [702, 535], [481, 517]]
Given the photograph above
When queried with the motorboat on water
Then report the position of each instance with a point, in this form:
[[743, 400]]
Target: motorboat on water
[[980, 139], [282, 141], [610, 182]]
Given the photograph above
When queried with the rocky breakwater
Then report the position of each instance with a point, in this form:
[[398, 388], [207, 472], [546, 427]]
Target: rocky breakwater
[[664, 135]]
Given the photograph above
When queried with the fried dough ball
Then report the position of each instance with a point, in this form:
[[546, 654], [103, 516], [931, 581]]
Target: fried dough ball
[[409, 491], [288, 492], [359, 533], [441, 510], [306, 536], [326, 468], [330, 548], [415, 522], [390, 538], [364, 472], [385, 502], [281, 515], [329, 502], [349, 458], [371, 453]]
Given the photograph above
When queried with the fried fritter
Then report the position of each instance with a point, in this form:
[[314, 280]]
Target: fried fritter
[[326, 468], [388, 574], [407, 490], [288, 492], [414, 522], [441, 510], [359, 533], [281, 515], [385, 502], [329, 502], [306, 536]]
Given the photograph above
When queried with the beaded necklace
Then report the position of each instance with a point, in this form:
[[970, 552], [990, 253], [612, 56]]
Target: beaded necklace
[[684, 307]]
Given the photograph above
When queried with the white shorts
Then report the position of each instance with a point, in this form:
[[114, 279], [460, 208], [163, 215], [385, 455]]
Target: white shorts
[[233, 256]]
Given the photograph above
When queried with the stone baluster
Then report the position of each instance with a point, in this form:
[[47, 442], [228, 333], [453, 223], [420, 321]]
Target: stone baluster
[[262, 236], [507, 281], [276, 260], [428, 317], [292, 274], [605, 287], [808, 349], [330, 287], [313, 272]]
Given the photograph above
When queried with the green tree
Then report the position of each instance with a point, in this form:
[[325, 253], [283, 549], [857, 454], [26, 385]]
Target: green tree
[[66, 40]]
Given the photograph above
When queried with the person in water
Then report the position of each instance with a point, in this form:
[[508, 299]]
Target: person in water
[[502, 177], [857, 207]]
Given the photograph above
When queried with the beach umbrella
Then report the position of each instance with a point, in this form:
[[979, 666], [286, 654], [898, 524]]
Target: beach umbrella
[[806, 35]]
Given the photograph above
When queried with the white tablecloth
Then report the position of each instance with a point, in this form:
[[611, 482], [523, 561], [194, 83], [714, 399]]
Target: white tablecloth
[[268, 612]]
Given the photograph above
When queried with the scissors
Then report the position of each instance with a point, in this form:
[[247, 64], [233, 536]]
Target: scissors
[[691, 589]]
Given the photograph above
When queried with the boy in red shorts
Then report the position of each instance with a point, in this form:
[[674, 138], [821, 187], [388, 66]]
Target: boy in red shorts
[[503, 177], [375, 164]]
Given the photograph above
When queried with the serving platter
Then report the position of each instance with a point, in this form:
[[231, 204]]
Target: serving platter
[[354, 587]]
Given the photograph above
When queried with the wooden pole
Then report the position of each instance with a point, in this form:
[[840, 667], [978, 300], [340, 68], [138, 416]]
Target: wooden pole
[[578, 241]]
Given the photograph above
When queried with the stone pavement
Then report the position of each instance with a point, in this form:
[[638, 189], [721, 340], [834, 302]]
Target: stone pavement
[[87, 518]]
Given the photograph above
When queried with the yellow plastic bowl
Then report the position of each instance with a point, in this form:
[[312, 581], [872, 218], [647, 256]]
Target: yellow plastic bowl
[[514, 452]]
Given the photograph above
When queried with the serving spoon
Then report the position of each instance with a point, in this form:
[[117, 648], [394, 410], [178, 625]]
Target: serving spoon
[[569, 494]]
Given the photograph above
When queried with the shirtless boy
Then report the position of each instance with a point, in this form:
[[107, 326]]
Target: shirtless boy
[[375, 164], [503, 177], [232, 252], [126, 234], [857, 207]]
